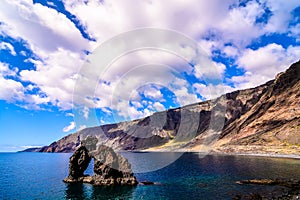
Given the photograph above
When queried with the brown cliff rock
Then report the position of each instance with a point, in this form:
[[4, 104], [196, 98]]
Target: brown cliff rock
[[264, 119]]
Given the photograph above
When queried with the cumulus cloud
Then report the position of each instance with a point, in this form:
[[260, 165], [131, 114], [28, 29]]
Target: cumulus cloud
[[48, 30], [295, 32], [263, 64], [10, 89], [58, 47], [281, 14], [14, 91], [70, 127], [158, 106], [153, 93], [6, 71], [56, 76], [9, 47], [210, 70], [211, 91], [124, 16]]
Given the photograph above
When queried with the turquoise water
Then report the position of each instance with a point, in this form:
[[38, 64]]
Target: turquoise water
[[39, 176]]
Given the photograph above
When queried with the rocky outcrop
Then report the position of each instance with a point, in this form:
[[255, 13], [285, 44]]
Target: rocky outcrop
[[260, 119], [79, 162], [291, 183], [109, 167], [290, 189]]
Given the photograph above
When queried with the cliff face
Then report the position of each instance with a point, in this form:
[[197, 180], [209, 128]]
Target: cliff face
[[266, 116], [274, 121], [64, 145]]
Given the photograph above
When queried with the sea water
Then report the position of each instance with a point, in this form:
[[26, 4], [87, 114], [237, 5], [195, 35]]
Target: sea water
[[190, 176]]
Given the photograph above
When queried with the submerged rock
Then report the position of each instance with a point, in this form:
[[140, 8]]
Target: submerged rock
[[109, 167], [147, 183], [291, 183], [291, 189]]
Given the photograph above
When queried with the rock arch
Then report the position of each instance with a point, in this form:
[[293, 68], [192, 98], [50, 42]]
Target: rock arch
[[110, 168]]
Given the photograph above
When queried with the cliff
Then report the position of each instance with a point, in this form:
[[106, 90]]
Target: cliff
[[260, 119]]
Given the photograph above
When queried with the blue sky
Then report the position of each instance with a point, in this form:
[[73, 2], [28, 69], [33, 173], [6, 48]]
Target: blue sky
[[44, 46]]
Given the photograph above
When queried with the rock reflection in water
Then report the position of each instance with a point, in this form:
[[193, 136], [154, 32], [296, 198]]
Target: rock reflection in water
[[86, 191]]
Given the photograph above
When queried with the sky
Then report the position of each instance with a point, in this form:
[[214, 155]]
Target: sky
[[53, 80]]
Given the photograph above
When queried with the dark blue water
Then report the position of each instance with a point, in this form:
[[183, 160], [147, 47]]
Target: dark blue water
[[39, 176]]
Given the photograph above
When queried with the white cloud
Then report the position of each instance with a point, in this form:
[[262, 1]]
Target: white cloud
[[184, 97], [5, 71], [131, 112], [114, 16], [69, 115], [30, 146], [262, 58], [209, 70], [281, 14], [81, 127], [137, 104], [9, 47], [14, 91], [239, 26], [49, 30], [55, 76], [70, 127], [263, 64], [159, 107], [10, 89], [58, 44], [212, 91], [86, 112], [295, 32], [153, 93], [231, 51]]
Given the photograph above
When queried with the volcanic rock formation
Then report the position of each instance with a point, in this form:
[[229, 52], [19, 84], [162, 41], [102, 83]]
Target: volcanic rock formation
[[109, 167]]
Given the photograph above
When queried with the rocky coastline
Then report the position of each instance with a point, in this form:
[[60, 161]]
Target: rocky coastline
[[290, 189]]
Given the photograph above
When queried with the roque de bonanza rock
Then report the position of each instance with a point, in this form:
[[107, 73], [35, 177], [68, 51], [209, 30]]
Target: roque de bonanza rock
[[110, 168]]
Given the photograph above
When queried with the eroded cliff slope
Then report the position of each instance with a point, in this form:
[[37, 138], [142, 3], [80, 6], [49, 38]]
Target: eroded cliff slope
[[261, 119]]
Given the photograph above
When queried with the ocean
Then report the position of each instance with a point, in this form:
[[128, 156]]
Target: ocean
[[190, 176]]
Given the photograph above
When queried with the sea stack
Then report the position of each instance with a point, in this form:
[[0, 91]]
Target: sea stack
[[110, 168]]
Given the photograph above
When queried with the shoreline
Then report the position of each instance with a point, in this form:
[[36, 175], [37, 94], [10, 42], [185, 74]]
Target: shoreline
[[255, 154], [211, 152], [216, 153]]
